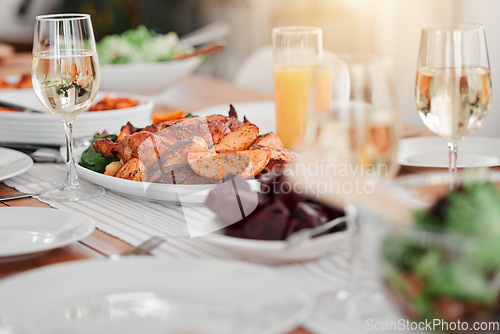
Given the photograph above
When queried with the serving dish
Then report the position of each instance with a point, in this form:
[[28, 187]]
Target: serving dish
[[140, 60], [171, 193], [276, 251], [178, 160], [146, 78], [45, 128]]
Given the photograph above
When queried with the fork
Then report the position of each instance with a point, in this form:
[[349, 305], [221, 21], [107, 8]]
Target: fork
[[295, 239], [21, 195], [144, 248]]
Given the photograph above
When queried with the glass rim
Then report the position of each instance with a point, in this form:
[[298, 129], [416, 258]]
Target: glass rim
[[62, 17], [451, 26], [426, 237], [296, 29]]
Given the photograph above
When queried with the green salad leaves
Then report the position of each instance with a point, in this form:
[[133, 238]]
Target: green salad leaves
[[140, 45], [453, 254], [96, 161]]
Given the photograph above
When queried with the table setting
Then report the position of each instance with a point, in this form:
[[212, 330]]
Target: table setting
[[312, 210]]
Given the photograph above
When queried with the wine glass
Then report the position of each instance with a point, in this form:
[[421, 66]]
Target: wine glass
[[296, 49], [353, 143], [65, 75], [453, 84]]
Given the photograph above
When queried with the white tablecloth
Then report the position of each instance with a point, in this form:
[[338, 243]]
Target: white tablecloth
[[134, 220]]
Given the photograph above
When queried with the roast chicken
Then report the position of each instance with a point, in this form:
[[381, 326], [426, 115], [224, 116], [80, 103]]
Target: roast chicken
[[160, 152]]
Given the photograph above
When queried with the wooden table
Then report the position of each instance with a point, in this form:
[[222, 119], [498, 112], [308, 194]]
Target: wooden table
[[191, 94]]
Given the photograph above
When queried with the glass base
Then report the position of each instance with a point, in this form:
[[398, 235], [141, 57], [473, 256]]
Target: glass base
[[354, 307], [72, 193]]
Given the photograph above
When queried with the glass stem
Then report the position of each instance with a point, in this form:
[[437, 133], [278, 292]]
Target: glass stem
[[453, 150], [71, 176]]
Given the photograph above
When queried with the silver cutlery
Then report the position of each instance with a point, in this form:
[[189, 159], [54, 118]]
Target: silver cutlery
[[46, 155], [19, 196], [296, 238], [143, 248], [18, 107], [211, 32]]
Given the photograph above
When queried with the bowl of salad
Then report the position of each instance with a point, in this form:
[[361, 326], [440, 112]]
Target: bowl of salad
[[445, 268], [143, 62]]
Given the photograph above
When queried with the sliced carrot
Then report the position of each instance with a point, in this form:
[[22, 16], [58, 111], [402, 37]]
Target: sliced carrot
[[7, 109], [169, 116]]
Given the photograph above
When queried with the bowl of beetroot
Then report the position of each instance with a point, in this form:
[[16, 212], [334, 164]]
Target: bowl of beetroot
[[259, 222]]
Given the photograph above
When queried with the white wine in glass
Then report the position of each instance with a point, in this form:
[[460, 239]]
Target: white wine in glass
[[453, 84], [361, 129], [65, 76], [351, 148]]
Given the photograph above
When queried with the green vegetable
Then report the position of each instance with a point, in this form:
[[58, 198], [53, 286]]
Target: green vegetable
[[461, 280], [190, 116], [140, 45], [95, 161], [459, 259]]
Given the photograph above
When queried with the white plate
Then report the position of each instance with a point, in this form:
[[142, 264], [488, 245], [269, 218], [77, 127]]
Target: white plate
[[261, 113], [45, 128], [275, 252], [173, 193], [13, 163], [433, 152], [147, 295], [150, 78], [26, 230]]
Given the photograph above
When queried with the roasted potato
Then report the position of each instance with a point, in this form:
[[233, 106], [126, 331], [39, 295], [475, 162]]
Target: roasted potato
[[113, 168], [176, 174], [276, 153], [206, 164], [268, 140], [247, 163], [177, 153], [279, 158], [133, 169], [240, 139]]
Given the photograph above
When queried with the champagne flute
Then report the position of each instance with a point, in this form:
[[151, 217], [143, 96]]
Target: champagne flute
[[65, 75], [361, 130], [453, 84], [296, 50], [354, 142]]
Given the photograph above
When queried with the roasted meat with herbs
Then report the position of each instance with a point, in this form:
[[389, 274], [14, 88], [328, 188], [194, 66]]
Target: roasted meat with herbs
[[159, 137], [167, 152]]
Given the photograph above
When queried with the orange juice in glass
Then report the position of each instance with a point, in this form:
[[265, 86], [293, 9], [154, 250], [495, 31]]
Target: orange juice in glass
[[296, 51], [292, 89]]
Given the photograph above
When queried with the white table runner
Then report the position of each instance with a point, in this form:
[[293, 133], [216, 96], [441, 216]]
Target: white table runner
[[134, 220]]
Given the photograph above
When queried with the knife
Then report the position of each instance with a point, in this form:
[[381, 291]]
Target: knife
[[28, 146], [39, 153], [18, 107]]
